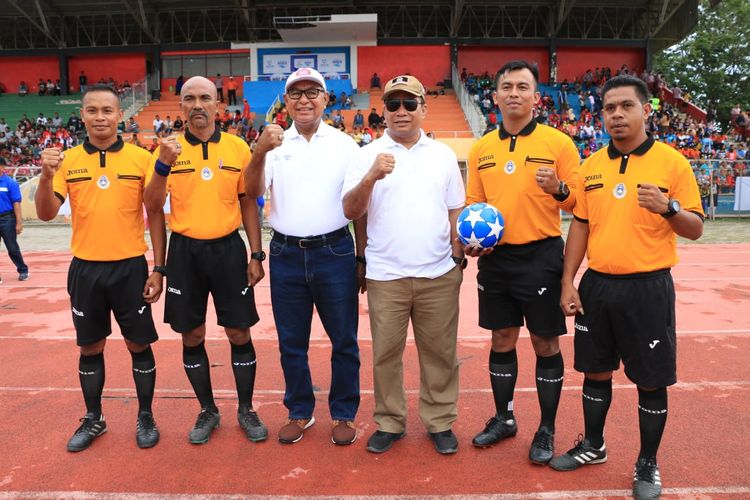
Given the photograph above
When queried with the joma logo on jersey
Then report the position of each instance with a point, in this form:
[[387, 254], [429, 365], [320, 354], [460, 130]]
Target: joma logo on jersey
[[78, 171], [182, 163], [594, 177], [485, 158]]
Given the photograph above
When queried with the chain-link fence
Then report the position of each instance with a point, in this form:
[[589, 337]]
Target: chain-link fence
[[724, 186]]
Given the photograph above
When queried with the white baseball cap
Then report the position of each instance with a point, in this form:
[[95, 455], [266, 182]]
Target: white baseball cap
[[303, 74]]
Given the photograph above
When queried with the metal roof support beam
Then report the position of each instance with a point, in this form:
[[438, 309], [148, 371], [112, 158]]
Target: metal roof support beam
[[44, 28], [458, 11], [563, 12], [141, 18], [667, 17]]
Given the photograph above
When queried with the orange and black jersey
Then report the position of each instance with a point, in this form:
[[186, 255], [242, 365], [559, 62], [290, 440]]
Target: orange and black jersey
[[105, 188], [205, 185], [502, 172], [623, 237]]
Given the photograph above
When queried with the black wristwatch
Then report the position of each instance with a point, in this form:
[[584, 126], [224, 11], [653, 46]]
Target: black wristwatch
[[259, 256], [361, 259], [563, 192], [673, 206], [160, 269], [460, 261]]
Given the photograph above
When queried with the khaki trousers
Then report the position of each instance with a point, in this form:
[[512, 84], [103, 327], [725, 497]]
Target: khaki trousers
[[432, 306]]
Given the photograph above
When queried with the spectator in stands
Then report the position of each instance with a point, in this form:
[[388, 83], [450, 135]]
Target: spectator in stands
[[331, 99], [57, 87], [168, 125], [131, 126], [338, 119], [373, 120], [42, 87], [343, 98], [23, 89], [158, 125], [219, 82], [231, 92], [83, 81], [178, 124], [359, 120], [375, 81], [154, 145], [246, 117], [134, 140], [57, 122], [74, 123], [41, 120], [178, 84]]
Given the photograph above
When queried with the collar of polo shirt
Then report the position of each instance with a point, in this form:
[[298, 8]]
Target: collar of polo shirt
[[115, 147], [641, 150], [323, 129], [387, 137], [194, 141], [527, 130]]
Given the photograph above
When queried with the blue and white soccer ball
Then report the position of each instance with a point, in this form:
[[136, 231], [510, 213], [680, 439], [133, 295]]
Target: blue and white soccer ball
[[480, 225]]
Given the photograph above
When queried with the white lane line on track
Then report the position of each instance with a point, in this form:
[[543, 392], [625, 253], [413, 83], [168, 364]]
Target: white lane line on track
[[410, 339], [728, 385], [529, 495]]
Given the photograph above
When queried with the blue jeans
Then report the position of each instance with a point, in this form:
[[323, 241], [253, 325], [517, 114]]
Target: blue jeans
[[325, 277], [8, 236]]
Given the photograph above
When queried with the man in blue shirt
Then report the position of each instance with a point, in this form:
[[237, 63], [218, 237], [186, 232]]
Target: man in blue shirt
[[11, 223]]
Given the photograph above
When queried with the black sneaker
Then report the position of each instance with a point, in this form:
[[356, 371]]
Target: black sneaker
[[381, 441], [90, 429], [542, 447], [207, 421], [581, 454], [446, 442], [646, 479], [146, 432], [252, 425], [495, 430]]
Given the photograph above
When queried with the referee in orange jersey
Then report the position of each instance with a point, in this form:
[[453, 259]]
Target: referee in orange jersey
[[104, 180], [203, 173], [637, 195], [527, 171]]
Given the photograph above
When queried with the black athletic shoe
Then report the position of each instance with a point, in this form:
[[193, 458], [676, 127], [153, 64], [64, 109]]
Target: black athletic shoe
[[495, 430], [90, 429], [646, 479], [252, 425], [446, 442], [542, 447], [207, 421], [581, 454], [381, 441], [146, 432]]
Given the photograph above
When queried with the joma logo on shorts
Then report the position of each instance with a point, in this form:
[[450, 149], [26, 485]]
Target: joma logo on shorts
[[581, 328], [77, 312], [174, 290]]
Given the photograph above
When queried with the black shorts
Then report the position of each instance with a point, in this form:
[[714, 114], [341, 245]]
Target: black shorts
[[628, 317], [98, 289], [199, 267], [518, 282]]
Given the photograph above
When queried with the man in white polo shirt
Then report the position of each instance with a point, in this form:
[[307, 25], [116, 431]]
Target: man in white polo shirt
[[410, 188], [312, 253]]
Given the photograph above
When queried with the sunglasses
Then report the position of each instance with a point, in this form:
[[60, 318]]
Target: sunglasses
[[296, 94], [410, 104]]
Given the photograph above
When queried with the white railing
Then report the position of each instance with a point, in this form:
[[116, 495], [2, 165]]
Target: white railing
[[473, 114], [134, 99], [269, 113]]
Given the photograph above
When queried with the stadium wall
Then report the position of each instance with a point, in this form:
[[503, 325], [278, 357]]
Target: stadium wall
[[429, 63], [477, 60], [121, 67], [572, 62], [14, 70]]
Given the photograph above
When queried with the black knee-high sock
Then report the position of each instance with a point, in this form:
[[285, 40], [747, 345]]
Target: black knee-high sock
[[198, 371], [244, 367], [652, 417], [503, 374], [597, 396], [91, 375], [144, 375], [549, 382]]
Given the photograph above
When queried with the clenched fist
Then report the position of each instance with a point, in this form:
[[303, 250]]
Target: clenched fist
[[169, 150], [383, 165], [270, 139], [52, 159]]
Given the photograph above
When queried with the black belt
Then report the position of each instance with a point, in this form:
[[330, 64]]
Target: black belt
[[6, 214], [312, 241]]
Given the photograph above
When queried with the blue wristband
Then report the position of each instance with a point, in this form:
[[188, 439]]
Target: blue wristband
[[162, 168]]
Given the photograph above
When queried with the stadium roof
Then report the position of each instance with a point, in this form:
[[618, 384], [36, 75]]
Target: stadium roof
[[84, 24]]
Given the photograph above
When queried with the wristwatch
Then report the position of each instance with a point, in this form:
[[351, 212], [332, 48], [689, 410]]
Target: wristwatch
[[161, 270], [460, 261], [259, 256], [563, 191], [673, 206]]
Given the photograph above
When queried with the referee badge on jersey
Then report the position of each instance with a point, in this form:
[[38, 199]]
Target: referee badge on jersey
[[510, 167], [103, 182], [207, 174], [620, 191]]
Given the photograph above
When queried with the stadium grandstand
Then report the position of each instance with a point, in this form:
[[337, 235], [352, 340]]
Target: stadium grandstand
[[50, 49]]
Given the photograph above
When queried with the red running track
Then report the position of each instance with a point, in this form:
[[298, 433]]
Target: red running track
[[702, 454]]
